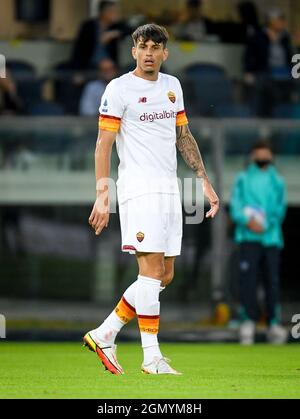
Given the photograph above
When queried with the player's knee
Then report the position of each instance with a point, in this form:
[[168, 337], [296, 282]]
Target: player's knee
[[151, 266], [168, 278], [158, 272]]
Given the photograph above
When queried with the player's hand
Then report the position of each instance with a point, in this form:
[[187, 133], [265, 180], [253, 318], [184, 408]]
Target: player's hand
[[212, 198], [255, 226], [99, 217]]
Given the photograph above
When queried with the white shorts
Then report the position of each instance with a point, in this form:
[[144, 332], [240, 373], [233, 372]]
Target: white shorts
[[152, 223]]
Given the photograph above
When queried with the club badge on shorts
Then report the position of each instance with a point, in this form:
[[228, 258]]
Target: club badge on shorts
[[172, 97], [140, 236]]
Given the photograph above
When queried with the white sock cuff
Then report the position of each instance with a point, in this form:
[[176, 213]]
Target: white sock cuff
[[149, 281], [129, 293]]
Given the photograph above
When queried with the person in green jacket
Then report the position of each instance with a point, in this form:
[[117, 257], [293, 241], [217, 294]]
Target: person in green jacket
[[258, 207]]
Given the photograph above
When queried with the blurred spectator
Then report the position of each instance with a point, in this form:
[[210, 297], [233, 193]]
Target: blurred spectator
[[258, 206], [268, 63], [11, 102], [241, 32], [249, 20], [194, 26], [270, 51], [98, 38], [93, 91]]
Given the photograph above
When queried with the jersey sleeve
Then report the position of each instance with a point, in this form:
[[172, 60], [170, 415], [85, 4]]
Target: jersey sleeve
[[111, 109], [181, 118]]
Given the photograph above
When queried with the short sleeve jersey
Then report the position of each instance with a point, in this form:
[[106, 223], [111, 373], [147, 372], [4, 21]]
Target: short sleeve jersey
[[144, 114]]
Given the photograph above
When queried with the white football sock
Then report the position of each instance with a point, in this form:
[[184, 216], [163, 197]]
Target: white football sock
[[109, 329], [129, 294], [111, 326], [150, 352], [147, 308]]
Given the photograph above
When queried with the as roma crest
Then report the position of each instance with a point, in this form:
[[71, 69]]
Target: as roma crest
[[140, 236], [172, 97]]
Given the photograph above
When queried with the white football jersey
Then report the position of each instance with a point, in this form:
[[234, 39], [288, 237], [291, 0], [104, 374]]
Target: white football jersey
[[145, 115]]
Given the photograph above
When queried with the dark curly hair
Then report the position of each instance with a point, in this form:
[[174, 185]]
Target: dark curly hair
[[151, 31]]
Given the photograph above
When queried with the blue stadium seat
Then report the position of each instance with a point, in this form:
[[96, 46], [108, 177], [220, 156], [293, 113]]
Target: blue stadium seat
[[287, 141], [208, 86], [207, 94], [30, 91], [28, 84], [205, 70], [45, 109], [20, 69], [67, 93], [232, 111], [287, 111]]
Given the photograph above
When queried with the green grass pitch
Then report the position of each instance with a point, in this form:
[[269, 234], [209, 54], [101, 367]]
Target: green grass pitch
[[67, 370]]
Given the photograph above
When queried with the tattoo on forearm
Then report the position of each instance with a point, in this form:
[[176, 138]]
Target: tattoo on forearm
[[189, 150]]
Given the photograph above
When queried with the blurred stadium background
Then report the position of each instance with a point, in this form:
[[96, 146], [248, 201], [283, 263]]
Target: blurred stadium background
[[56, 278]]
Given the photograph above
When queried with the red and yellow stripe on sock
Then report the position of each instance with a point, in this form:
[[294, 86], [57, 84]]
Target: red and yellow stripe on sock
[[148, 324], [109, 123], [125, 311], [181, 118]]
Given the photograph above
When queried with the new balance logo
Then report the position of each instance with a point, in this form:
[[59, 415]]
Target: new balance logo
[[142, 100]]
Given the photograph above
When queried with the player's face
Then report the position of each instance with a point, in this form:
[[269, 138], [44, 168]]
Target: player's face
[[149, 56]]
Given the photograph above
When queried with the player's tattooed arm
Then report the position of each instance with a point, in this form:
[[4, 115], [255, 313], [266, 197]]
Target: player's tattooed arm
[[190, 152]]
